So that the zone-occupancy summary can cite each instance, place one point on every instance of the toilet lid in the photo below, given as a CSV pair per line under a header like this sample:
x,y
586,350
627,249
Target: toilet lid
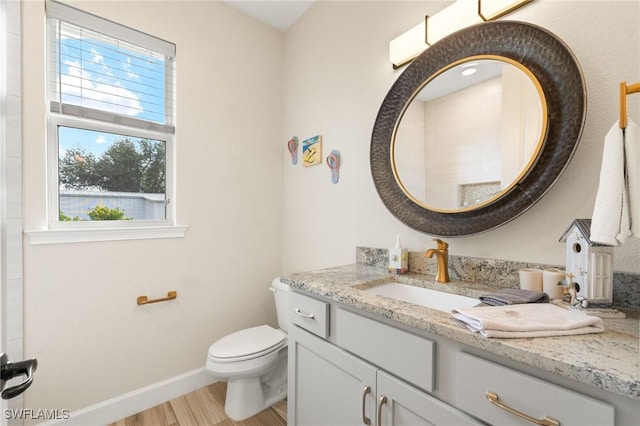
x,y
248,343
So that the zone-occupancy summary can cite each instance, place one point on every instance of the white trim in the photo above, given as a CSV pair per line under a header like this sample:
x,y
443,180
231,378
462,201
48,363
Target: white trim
x,y
55,120
116,120
81,18
61,236
11,211
104,126
92,120
125,405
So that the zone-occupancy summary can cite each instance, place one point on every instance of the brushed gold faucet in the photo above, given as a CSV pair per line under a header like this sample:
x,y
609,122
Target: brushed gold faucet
x,y
442,256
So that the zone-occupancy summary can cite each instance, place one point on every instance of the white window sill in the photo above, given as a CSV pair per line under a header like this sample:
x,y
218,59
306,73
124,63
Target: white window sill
x,y
62,236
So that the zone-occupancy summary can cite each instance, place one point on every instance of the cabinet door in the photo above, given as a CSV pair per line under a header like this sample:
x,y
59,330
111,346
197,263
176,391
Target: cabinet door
x,y
479,381
400,404
327,385
399,352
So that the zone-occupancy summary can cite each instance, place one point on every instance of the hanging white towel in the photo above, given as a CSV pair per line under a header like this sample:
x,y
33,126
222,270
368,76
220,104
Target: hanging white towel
x,y
632,160
617,206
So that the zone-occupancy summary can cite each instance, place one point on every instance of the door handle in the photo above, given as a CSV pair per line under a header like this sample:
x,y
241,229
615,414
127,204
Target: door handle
x,y
9,370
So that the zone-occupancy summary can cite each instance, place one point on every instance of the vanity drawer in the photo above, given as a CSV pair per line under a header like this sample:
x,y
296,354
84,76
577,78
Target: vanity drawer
x,y
406,355
309,313
528,395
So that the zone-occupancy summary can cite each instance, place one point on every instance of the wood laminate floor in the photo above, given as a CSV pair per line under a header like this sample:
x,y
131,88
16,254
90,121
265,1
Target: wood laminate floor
x,y
203,407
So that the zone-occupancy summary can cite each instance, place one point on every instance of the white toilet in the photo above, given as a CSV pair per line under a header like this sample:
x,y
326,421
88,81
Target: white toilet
x,y
253,362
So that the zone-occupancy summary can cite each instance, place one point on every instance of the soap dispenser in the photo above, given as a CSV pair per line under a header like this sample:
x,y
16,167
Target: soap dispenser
x,y
398,258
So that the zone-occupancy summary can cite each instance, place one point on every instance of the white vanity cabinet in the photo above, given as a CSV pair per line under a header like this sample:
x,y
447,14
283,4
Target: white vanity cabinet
x,y
326,385
348,369
329,386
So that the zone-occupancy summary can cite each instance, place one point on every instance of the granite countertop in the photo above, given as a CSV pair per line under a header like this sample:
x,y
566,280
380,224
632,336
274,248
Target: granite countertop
x,y
609,360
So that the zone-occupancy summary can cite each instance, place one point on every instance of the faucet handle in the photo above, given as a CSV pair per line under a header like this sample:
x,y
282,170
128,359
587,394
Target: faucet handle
x,y
441,244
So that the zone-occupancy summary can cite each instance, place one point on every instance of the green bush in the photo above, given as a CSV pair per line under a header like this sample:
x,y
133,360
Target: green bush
x,y
105,213
97,213
64,218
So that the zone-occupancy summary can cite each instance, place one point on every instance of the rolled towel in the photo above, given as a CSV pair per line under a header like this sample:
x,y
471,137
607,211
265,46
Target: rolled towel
x,y
527,320
514,296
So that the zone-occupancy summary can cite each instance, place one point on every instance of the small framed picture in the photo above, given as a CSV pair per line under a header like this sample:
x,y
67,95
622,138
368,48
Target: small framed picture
x,y
312,151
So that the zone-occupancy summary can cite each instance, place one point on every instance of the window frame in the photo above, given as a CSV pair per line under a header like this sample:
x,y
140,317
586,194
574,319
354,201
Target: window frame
x,y
56,120
74,231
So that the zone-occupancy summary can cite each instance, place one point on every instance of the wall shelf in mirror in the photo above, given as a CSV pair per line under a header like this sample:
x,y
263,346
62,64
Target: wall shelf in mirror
x,y
558,108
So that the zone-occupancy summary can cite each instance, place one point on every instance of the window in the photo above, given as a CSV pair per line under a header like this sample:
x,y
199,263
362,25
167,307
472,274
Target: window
x,y
110,123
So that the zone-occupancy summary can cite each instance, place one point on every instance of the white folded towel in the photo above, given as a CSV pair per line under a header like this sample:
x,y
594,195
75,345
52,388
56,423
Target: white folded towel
x,y
527,320
616,213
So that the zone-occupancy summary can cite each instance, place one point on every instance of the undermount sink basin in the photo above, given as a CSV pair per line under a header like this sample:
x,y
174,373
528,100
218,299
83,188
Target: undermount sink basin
x,y
433,299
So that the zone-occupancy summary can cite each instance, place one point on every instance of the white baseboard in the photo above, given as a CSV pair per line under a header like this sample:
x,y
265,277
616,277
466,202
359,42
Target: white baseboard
x,y
125,405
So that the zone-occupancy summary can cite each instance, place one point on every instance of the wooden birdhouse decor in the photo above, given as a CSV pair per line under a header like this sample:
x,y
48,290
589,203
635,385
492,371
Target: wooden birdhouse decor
x,y
591,264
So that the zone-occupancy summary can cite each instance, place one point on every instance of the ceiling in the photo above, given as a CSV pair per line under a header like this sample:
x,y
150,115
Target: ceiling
x,y
279,14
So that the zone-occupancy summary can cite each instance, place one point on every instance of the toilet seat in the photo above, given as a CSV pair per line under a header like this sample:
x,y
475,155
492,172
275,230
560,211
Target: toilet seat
x,y
247,344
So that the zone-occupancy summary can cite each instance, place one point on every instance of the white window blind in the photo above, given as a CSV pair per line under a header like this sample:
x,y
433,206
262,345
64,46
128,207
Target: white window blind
x,y
104,71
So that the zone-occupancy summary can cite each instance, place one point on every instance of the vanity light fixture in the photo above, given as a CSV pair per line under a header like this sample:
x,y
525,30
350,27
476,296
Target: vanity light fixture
x,y
462,13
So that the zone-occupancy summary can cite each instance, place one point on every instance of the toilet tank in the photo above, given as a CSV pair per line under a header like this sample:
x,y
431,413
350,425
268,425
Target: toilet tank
x,y
281,294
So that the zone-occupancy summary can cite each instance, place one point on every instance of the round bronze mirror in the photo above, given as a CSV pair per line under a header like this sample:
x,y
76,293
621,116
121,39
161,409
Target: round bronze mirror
x,y
451,158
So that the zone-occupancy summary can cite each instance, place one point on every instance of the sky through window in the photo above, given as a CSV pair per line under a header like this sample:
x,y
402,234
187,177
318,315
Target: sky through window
x,y
98,72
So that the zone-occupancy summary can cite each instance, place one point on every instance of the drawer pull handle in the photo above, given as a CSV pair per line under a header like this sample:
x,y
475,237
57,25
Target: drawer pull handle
x,y
303,315
547,421
383,400
367,390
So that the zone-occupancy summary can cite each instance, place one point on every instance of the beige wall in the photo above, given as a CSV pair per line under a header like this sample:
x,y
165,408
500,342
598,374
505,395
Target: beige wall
x,y
337,76
81,319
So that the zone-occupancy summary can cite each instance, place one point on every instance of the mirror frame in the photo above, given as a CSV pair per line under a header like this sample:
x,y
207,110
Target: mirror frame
x,y
559,74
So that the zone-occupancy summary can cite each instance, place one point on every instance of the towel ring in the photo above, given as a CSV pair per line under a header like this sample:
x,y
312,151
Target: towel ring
x,y
624,91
